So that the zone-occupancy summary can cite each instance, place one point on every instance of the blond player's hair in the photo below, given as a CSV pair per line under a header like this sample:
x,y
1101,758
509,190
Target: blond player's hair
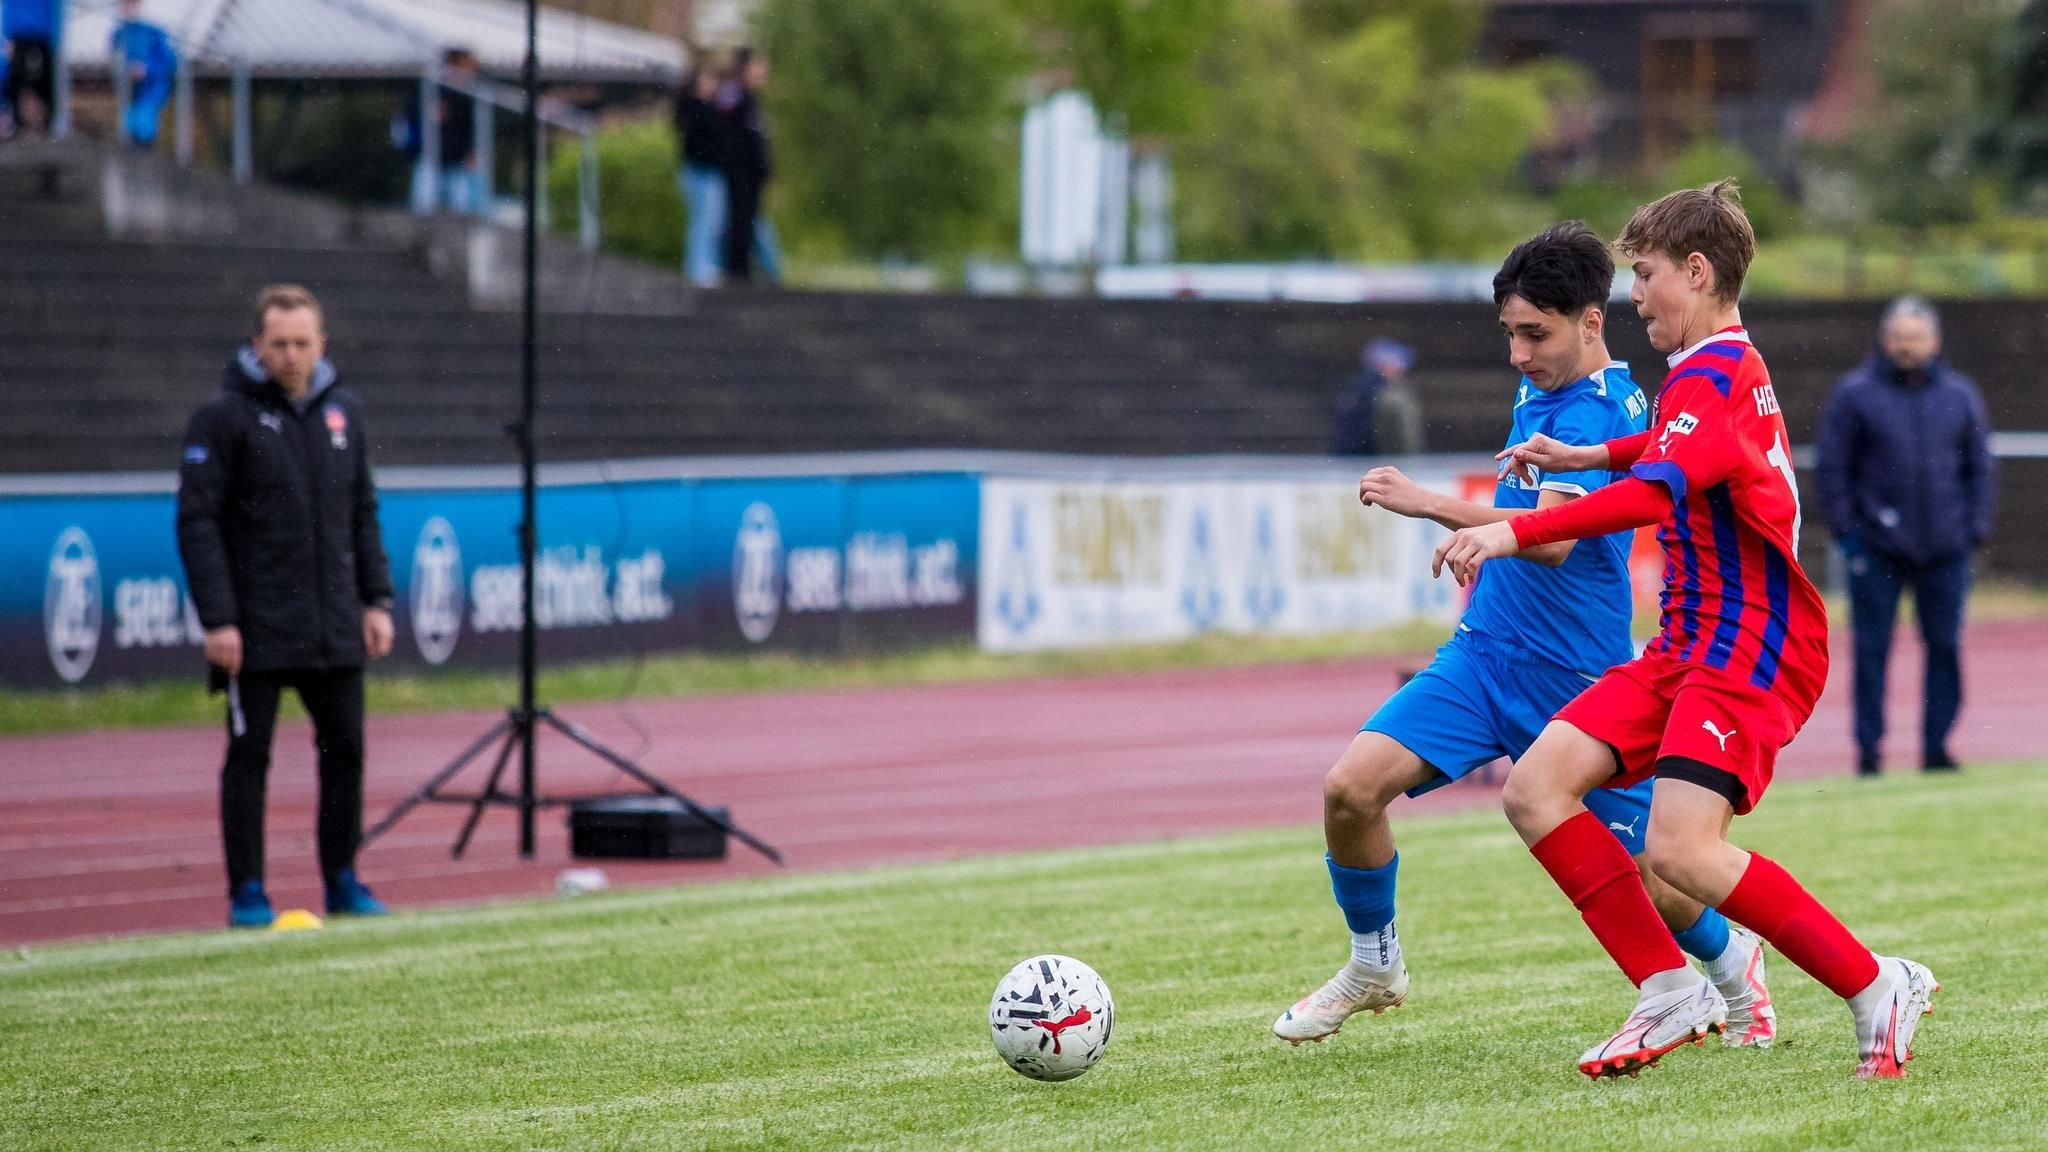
x,y
1709,221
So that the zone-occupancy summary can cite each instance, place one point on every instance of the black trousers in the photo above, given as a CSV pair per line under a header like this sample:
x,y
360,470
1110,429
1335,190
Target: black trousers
x,y
334,699
32,70
1876,582
742,209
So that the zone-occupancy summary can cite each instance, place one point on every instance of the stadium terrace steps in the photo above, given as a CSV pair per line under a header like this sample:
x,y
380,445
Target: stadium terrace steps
x,y
107,344
98,326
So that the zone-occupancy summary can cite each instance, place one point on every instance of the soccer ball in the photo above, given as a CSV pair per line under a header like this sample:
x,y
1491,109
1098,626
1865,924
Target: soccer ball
x,y
1051,1017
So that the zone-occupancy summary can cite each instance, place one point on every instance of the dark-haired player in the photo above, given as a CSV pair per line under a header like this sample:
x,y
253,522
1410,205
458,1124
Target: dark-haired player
x,y
1534,636
1741,660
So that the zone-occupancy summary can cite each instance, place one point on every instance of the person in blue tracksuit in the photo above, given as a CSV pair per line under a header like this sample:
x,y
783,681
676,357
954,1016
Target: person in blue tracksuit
x,y
152,64
1908,488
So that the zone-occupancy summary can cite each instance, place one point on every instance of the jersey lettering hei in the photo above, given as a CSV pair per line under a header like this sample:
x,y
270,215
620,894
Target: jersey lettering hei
x,y
1735,598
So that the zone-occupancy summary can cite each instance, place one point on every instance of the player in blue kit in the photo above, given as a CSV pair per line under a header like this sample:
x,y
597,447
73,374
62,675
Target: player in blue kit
x,y
1534,636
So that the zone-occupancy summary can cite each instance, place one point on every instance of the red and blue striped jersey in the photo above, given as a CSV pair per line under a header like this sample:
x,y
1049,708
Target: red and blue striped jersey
x,y
1735,598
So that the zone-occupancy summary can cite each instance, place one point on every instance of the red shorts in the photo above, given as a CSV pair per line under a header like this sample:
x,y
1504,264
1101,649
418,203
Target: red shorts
x,y
1698,723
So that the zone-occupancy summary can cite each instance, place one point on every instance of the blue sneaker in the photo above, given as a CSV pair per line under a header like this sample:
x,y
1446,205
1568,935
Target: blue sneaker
x,y
249,907
348,896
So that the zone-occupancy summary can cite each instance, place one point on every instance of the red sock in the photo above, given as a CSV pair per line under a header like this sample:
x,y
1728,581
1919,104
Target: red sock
x,y
1769,902
1596,873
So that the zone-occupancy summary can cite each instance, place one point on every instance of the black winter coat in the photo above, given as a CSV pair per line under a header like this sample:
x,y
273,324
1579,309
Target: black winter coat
x,y
1906,465
701,131
277,521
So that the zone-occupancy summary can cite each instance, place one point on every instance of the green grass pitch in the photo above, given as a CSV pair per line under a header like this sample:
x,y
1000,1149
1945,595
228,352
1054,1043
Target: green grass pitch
x,y
850,1010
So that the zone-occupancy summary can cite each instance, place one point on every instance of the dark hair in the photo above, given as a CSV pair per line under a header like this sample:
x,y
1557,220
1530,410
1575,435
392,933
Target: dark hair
x,y
1565,270
1708,220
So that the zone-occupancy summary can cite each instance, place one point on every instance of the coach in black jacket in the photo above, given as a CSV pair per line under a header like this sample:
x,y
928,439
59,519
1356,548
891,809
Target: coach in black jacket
x,y
277,527
1907,484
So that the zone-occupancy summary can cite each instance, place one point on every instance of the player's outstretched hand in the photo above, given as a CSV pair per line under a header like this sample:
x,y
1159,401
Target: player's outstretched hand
x,y
1390,489
1540,453
1468,548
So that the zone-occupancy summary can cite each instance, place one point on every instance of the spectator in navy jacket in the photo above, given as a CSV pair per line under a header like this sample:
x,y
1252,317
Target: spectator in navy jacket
x,y
1378,413
1906,485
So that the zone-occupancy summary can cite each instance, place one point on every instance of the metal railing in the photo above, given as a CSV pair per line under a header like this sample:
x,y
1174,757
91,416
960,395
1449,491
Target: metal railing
x,y
488,95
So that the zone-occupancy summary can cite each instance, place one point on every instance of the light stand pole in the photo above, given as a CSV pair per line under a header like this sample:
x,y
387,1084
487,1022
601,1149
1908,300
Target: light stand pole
x,y
529,451
521,725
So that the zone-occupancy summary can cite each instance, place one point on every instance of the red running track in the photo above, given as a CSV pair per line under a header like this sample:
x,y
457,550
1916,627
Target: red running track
x,y
116,832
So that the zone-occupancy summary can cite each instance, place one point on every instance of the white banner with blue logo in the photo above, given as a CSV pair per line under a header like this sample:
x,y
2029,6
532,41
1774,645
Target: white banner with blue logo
x,y
1112,560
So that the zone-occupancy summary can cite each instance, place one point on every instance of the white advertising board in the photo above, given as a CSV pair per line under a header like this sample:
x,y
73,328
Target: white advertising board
x,y
1074,563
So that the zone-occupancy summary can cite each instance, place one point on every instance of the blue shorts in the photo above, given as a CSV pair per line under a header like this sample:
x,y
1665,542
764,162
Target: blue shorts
x,y
1479,701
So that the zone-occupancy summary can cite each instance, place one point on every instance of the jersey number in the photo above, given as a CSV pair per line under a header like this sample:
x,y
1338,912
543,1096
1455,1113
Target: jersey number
x,y
1777,458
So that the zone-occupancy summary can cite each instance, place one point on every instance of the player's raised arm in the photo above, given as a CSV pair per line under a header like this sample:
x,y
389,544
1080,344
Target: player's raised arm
x,y
1620,507
1391,489
1540,453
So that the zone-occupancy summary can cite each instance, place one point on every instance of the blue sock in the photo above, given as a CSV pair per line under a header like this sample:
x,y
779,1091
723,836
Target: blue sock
x,y
1707,938
1366,895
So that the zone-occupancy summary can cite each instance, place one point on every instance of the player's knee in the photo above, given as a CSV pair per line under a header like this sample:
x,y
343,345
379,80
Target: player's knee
x,y
1677,909
1675,860
1526,802
1360,785
1348,791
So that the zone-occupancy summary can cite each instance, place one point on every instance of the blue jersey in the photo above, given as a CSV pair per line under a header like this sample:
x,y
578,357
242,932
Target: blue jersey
x,y
140,42
1577,614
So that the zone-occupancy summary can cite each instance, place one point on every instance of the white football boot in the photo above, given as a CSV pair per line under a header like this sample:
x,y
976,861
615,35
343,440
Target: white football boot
x,y
1352,990
1662,1021
1752,1022
1884,1034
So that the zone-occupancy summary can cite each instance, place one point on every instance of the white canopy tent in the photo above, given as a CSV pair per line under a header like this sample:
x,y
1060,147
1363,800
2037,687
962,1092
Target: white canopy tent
x,y
378,39
244,40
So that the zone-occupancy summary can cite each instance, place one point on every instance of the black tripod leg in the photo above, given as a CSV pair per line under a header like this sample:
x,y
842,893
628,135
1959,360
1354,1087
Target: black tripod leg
x,y
490,792
425,792
576,732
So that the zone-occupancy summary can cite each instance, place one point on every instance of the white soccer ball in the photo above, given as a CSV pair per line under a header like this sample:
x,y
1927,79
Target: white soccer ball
x,y
1051,1017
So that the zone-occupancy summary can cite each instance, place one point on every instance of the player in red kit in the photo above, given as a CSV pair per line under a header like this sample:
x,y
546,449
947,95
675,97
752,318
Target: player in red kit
x,y
1730,679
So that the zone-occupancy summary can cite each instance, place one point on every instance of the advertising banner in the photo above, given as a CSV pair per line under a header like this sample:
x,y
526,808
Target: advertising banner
x,y
1069,563
834,562
610,574
92,590
91,585
804,554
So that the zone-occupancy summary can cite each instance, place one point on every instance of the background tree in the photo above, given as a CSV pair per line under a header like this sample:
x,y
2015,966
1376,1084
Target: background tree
x,y
641,207
1353,131
895,124
1134,58
1924,151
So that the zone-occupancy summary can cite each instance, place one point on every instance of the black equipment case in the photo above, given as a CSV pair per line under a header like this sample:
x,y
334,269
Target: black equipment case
x,y
643,827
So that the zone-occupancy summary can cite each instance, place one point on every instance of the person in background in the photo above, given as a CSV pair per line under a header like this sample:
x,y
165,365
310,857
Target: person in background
x,y
278,533
1907,484
152,66
30,29
6,107
748,169
701,139
457,181
767,246
1379,413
